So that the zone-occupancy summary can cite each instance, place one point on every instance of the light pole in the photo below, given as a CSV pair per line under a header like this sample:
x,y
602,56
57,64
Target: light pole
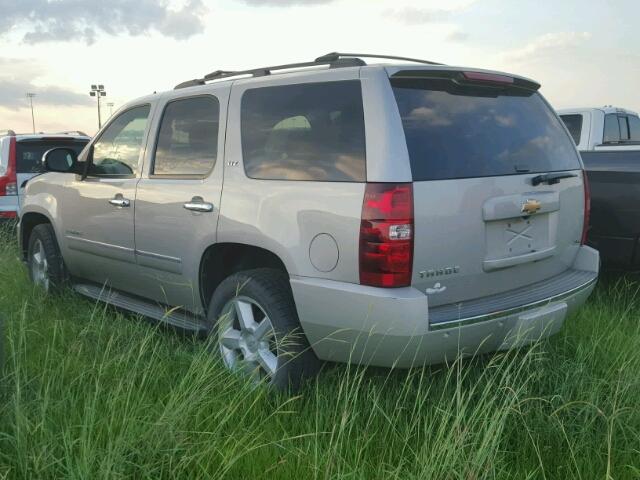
x,y
33,118
110,105
98,91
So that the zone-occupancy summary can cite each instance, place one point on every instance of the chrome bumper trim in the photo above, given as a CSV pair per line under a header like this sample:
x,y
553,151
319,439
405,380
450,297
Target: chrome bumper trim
x,y
510,311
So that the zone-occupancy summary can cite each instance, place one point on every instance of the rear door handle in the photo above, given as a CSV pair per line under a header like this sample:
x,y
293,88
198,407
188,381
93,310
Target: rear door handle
x,y
197,204
120,201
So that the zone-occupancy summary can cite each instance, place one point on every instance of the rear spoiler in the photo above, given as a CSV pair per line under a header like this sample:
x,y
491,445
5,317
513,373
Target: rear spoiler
x,y
53,138
469,78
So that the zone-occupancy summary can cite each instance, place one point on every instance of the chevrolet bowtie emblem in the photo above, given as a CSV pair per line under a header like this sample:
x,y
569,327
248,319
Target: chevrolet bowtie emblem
x,y
531,206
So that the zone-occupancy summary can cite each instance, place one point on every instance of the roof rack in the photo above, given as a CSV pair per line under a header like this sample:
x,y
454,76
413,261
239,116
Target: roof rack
x,y
72,132
333,56
333,60
5,133
263,71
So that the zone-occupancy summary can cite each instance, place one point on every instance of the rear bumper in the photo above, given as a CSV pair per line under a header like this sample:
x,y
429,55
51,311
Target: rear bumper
x,y
391,327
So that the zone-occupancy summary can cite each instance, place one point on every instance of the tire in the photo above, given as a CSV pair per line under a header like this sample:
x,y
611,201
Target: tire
x,y
46,266
278,354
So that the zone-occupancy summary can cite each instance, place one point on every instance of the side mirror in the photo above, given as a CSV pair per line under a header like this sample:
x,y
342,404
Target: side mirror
x,y
62,160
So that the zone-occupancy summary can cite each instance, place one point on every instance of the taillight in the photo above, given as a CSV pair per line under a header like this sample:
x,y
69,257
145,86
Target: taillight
x,y
386,235
8,214
587,207
9,181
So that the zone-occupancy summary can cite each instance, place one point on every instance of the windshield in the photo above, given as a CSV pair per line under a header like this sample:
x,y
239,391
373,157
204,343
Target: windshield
x,y
455,131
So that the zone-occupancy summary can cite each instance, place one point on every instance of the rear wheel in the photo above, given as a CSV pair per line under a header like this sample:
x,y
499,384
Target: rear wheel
x,y
257,329
46,267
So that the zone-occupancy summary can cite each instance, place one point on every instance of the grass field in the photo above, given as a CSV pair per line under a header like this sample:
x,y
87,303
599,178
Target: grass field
x,y
89,393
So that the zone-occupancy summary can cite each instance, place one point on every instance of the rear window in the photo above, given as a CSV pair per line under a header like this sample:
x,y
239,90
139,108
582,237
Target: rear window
x,y
574,125
29,152
634,128
311,131
611,129
463,132
624,128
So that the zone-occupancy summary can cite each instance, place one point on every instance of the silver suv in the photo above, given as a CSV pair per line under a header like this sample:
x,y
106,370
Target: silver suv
x,y
388,214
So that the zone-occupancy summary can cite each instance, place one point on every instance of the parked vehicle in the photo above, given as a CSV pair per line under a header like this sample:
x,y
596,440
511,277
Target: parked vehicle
x,y
20,159
390,215
609,141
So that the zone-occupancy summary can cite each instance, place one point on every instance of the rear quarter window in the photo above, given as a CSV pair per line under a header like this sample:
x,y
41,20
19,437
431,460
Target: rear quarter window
x,y
465,132
312,132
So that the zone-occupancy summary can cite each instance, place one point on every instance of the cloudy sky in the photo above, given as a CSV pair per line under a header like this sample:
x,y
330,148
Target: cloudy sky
x,y
585,53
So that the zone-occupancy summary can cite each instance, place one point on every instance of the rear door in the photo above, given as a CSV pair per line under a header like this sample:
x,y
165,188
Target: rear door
x,y
178,199
482,224
29,153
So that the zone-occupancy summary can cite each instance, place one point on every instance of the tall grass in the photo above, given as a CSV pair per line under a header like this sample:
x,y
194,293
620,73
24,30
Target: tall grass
x,y
90,393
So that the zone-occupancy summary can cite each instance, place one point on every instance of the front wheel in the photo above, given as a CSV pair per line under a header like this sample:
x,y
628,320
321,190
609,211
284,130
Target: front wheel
x,y
257,329
46,267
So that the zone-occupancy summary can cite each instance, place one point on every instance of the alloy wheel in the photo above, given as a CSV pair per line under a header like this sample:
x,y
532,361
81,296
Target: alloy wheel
x,y
246,339
39,265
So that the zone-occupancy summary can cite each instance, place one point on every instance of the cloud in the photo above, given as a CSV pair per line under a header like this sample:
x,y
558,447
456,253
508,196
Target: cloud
x,y
285,3
12,95
418,16
16,79
410,15
69,20
549,43
458,36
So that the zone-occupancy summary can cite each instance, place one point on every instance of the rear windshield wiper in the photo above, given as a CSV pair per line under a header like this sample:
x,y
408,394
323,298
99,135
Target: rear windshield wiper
x,y
551,178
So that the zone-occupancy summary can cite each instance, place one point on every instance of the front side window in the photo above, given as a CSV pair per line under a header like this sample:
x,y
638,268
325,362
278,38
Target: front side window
x,y
311,131
574,125
188,137
611,129
117,151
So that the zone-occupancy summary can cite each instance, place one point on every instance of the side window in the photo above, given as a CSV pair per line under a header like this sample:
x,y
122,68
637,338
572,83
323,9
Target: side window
x,y
574,125
611,129
117,151
188,138
311,131
634,128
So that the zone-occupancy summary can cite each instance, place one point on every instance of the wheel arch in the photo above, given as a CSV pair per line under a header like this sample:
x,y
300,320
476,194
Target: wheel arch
x,y
28,221
221,260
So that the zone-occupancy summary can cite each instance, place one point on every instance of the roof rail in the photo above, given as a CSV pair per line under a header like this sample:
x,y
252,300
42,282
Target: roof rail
x,y
10,133
334,56
263,71
333,59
